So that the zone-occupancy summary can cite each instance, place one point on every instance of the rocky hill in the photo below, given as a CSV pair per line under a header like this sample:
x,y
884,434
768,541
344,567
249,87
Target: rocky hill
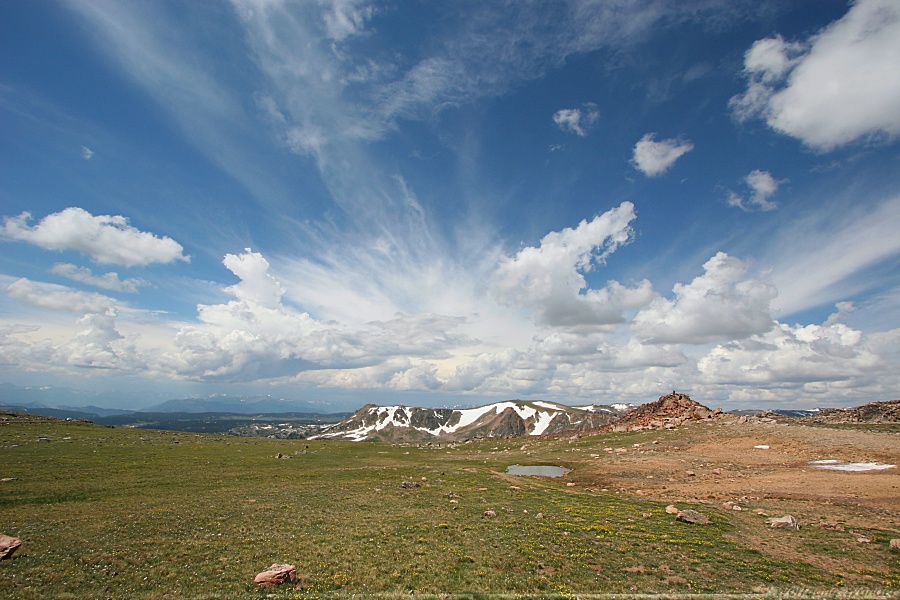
x,y
872,413
502,419
668,412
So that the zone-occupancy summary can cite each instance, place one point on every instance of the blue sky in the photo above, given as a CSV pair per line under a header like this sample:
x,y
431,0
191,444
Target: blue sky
x,y
453,203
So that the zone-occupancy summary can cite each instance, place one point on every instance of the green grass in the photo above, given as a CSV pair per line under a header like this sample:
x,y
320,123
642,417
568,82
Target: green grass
x,y
125,513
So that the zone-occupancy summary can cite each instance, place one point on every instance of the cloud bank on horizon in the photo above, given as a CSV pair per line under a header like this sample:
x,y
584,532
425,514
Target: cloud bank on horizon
x,y
447,203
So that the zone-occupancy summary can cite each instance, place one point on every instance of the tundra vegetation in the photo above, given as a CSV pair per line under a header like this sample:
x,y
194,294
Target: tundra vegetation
x,y
129,513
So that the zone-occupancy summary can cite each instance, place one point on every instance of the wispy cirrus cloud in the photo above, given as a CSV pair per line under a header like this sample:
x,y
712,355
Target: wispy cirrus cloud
x,y
107,281
576,120
816,259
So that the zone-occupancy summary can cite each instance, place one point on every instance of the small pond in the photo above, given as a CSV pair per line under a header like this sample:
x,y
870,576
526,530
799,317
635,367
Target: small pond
x,y
537,471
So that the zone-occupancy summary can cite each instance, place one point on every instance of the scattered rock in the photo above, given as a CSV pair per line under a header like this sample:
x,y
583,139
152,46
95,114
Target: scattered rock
x,y
637,569
831,526
761,447
785,522
9,479
490,513
672,509
862,538
276,575
690,474
8,545
692,516
895,545
407,485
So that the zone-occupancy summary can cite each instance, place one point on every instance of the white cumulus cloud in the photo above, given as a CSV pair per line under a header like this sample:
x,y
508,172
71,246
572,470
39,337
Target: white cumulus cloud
x,y
549,278
721,304
840,85
762,187
106,239
792,355
654,158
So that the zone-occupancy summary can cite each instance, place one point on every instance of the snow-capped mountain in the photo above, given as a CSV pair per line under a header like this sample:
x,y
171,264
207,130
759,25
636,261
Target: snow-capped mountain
x,y
502,419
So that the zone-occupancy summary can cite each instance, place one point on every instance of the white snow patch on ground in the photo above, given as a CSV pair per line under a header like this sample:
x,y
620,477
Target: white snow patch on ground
x,y
549,405
839,465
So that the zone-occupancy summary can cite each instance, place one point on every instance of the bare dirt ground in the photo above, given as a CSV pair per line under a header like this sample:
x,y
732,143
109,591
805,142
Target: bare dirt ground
x,y
719,462
847,518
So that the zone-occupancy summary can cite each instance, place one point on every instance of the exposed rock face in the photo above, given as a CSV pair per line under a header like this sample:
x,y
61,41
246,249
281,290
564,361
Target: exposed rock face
x,y
8,545
503,419
668,412
873,413
276,575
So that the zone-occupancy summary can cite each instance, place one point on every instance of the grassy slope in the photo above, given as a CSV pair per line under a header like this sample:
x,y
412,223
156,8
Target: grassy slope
x,y
131,513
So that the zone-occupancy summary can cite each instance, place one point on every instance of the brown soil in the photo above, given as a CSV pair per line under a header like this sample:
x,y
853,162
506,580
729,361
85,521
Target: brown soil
x,y
717,462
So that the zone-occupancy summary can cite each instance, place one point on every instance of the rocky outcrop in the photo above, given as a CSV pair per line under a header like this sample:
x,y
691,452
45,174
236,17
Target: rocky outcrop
x,y
668,412
872,413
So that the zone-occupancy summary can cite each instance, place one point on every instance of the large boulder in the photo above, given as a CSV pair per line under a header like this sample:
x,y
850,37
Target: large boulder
x,y
8,545
689,515
276,575
785,522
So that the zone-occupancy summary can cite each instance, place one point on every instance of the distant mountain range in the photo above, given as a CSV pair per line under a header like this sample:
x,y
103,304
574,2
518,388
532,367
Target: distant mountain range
x,y
244,405
61,402
501,419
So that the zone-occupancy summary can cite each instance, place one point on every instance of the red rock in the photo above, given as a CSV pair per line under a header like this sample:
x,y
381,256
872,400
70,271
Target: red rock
x,y
276,575
8,545
669,412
